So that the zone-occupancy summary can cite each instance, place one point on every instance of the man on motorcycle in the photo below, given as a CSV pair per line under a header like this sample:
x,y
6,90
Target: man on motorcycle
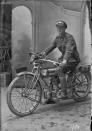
x,y
66,44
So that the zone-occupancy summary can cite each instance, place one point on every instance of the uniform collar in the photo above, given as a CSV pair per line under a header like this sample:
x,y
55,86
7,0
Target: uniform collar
x,y
63,36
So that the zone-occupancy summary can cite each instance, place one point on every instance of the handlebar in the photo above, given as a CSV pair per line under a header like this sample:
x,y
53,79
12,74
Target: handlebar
x,y
40,56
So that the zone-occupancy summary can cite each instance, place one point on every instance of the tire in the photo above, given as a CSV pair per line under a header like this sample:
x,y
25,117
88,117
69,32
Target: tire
x,y
76,85
27,94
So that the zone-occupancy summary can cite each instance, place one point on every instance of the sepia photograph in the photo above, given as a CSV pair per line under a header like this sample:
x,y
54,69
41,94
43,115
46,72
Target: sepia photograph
x,y
45,65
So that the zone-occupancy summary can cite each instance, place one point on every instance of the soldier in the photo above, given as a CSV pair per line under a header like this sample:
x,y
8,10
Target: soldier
x,y
67,46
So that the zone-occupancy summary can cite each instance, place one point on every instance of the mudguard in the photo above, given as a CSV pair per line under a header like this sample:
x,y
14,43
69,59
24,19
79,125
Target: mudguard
x,y
24,72
84,68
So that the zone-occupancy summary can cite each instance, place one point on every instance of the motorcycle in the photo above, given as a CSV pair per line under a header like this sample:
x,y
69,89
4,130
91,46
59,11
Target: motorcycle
x,y
27,89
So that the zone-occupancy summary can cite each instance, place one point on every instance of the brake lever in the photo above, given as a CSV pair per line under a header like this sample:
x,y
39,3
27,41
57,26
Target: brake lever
x,y
41,56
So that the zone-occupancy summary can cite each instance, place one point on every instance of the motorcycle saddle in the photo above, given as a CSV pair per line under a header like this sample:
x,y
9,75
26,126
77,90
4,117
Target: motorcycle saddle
x,y
83,68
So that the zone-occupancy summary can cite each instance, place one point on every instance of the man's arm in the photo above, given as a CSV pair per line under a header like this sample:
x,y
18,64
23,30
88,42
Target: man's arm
x,y
50,49
69,48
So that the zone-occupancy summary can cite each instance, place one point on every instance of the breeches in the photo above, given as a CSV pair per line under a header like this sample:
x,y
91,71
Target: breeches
x,y
70,66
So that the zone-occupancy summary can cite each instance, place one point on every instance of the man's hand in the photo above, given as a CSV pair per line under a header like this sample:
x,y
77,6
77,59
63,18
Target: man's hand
x,y
43,54
63,63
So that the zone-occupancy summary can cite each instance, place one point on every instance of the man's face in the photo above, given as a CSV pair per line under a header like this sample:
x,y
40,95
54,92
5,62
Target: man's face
x,y
61,30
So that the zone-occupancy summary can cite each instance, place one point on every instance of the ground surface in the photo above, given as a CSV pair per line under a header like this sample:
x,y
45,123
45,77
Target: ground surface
x,y
63,116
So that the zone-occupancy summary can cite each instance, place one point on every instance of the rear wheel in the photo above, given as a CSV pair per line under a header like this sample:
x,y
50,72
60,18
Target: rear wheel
x,y
24,94
81,86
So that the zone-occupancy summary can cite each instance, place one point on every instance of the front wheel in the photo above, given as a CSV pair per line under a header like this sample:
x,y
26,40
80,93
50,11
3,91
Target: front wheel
x,y
81,86
24,94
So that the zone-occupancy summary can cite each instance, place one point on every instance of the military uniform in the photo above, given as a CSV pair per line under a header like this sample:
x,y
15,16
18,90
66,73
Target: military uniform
x,y
67,46
70,56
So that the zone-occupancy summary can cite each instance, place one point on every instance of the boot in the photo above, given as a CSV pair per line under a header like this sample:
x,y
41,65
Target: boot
x,y
63,85
50,100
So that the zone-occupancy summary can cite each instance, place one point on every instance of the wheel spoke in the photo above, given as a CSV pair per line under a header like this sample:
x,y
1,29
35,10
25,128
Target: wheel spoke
x,y
80,85
18,91
32,99
25,95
